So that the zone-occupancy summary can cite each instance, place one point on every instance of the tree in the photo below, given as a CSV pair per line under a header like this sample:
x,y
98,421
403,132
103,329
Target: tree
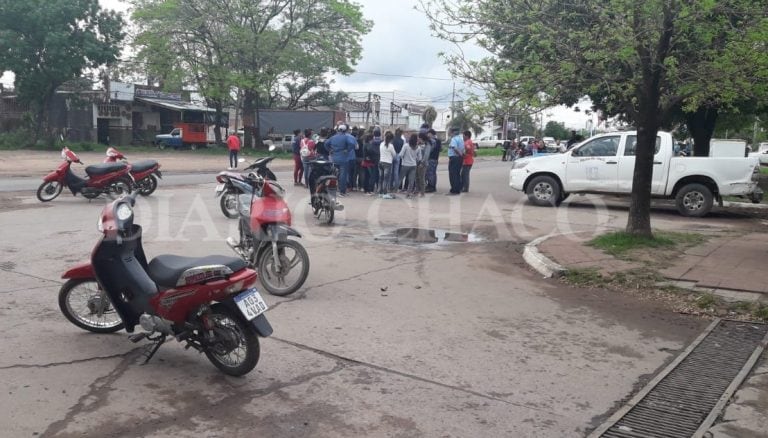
x,y
46,43
429,115
266,51
465,119
556,130
639,60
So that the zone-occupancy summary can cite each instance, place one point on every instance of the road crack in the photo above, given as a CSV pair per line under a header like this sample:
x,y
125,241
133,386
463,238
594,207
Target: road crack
x,y
71,362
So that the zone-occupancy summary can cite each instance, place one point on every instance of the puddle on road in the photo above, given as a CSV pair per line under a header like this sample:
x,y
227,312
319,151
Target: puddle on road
x,y
426,236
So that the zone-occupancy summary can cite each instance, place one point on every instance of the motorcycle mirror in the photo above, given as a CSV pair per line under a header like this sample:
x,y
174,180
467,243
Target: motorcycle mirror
x,y
272,147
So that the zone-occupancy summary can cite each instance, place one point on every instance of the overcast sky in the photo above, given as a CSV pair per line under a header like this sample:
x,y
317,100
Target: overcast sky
x,y
400,44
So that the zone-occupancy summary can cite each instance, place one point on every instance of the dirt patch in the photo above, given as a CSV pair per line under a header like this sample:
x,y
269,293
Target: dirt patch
x,y
11,201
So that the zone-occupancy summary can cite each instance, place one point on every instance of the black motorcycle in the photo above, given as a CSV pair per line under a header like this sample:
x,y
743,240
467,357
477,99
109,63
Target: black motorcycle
x,y
323,185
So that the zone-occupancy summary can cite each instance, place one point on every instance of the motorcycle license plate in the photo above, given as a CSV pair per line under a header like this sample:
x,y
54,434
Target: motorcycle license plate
x,y
219,189
250,303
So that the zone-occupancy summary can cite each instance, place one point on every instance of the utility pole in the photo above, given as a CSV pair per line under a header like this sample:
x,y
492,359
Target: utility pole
x,y
453,98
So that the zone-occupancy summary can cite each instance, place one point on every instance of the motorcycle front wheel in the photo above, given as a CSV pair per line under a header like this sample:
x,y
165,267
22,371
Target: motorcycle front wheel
x,y
48,191
228,204
84,304
235,346
293,271
147,186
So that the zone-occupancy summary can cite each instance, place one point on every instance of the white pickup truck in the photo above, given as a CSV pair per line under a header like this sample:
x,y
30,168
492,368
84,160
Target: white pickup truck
x,y
605,163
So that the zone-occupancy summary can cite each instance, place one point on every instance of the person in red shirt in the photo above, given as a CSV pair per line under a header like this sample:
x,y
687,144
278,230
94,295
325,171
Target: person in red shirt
x,y
233,144
469,160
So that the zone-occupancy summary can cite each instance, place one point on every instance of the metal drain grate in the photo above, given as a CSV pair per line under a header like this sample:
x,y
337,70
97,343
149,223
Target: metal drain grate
x,y
686,398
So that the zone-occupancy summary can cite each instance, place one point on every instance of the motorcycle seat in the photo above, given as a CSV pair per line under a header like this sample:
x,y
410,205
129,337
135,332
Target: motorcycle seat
x,y
104,168
166,270
325,178
141,166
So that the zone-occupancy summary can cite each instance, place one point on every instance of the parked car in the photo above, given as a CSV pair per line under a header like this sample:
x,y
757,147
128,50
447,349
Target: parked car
x,y
489,142
605,164
761,153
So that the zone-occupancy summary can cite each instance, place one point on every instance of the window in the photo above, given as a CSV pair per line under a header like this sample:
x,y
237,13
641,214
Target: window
x,y
629,149
599,147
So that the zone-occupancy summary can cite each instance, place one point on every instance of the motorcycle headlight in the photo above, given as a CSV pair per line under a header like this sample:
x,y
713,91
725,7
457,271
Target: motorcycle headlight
x,y
124,212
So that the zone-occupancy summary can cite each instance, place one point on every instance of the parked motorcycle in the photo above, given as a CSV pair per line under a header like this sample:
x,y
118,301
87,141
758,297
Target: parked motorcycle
x,y
232,184
206,302
323,183
112,179
265,227
145,172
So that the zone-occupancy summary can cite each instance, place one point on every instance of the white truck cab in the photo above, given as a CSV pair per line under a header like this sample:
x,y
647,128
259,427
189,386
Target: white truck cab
x,y
605,163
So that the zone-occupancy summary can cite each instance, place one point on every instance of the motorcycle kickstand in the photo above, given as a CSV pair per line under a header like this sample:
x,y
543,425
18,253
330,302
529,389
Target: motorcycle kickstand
x,y
158,341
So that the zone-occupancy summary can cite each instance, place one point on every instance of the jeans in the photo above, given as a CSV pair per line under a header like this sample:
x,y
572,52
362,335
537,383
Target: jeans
x,y
431,175
343,170
307,170
385,170
421,172
352,168
465,177
454,173
233,159
394,181
409,173
372,179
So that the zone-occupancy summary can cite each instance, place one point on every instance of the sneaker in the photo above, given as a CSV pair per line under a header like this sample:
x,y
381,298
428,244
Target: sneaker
x,y
342,195
387,196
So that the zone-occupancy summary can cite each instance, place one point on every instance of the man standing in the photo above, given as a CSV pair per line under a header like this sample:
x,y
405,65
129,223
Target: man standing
x,y
339,147
298,167
455,160
433,157
233,144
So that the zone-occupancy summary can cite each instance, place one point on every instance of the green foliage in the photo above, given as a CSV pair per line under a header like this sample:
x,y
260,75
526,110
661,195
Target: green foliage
x,y
430,114
46,43
706,300
465,119
20,139
620,243
556,130
642,61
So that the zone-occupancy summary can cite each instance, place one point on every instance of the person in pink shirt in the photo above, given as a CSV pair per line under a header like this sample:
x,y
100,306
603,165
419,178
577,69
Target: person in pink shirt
x,y
233,144
469,160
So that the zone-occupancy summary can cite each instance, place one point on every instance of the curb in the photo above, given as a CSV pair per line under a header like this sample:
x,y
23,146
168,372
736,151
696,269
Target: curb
x,y
541,263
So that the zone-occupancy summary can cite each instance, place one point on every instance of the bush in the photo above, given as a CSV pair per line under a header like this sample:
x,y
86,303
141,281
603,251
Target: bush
x,y
19,139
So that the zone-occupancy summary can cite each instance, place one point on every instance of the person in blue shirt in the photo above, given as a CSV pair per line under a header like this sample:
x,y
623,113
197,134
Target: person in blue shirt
x,y
455,160
339,147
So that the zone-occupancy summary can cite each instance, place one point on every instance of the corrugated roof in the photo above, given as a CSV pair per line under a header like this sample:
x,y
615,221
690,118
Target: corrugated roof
x,y
176,105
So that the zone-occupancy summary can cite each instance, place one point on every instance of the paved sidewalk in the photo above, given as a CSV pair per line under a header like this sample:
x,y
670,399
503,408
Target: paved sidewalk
x,y
732,265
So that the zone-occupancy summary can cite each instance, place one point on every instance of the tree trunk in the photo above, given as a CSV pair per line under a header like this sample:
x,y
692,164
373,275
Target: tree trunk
x,y
219,115
249,96
257,126
701,125
639,220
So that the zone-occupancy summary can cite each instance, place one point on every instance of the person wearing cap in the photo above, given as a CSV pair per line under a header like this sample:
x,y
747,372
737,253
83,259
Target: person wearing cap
x,y
339,146
455,161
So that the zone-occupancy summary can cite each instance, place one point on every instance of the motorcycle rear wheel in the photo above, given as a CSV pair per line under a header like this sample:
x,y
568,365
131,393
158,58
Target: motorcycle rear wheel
x,y
93,301
283,283
236,349
147,186
228,204
48,191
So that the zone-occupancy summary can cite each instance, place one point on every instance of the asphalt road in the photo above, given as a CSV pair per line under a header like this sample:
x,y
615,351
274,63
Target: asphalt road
x,y
384,340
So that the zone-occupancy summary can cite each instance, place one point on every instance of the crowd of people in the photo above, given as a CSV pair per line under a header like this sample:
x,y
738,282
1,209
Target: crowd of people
x,y
372,163
515,149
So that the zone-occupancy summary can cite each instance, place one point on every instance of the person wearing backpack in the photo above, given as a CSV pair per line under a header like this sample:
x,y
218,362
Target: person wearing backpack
x,y
307,152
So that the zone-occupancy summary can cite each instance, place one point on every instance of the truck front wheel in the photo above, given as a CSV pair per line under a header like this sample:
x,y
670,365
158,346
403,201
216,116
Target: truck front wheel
x,y
544,191
694,200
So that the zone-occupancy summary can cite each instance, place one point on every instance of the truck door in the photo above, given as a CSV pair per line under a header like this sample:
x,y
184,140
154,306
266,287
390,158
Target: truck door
x,y
593,165
627,167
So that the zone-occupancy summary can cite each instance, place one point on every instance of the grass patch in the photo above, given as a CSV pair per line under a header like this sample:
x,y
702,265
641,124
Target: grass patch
x,y
489,152
764,170
585,277
620,243
706,300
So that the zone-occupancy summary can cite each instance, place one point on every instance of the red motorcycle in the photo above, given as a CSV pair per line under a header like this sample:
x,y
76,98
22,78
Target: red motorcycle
x,y
264,227
206,302
113,179
145,172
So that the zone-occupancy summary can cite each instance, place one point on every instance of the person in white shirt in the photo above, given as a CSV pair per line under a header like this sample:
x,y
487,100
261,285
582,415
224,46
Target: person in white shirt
x,y
386,157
